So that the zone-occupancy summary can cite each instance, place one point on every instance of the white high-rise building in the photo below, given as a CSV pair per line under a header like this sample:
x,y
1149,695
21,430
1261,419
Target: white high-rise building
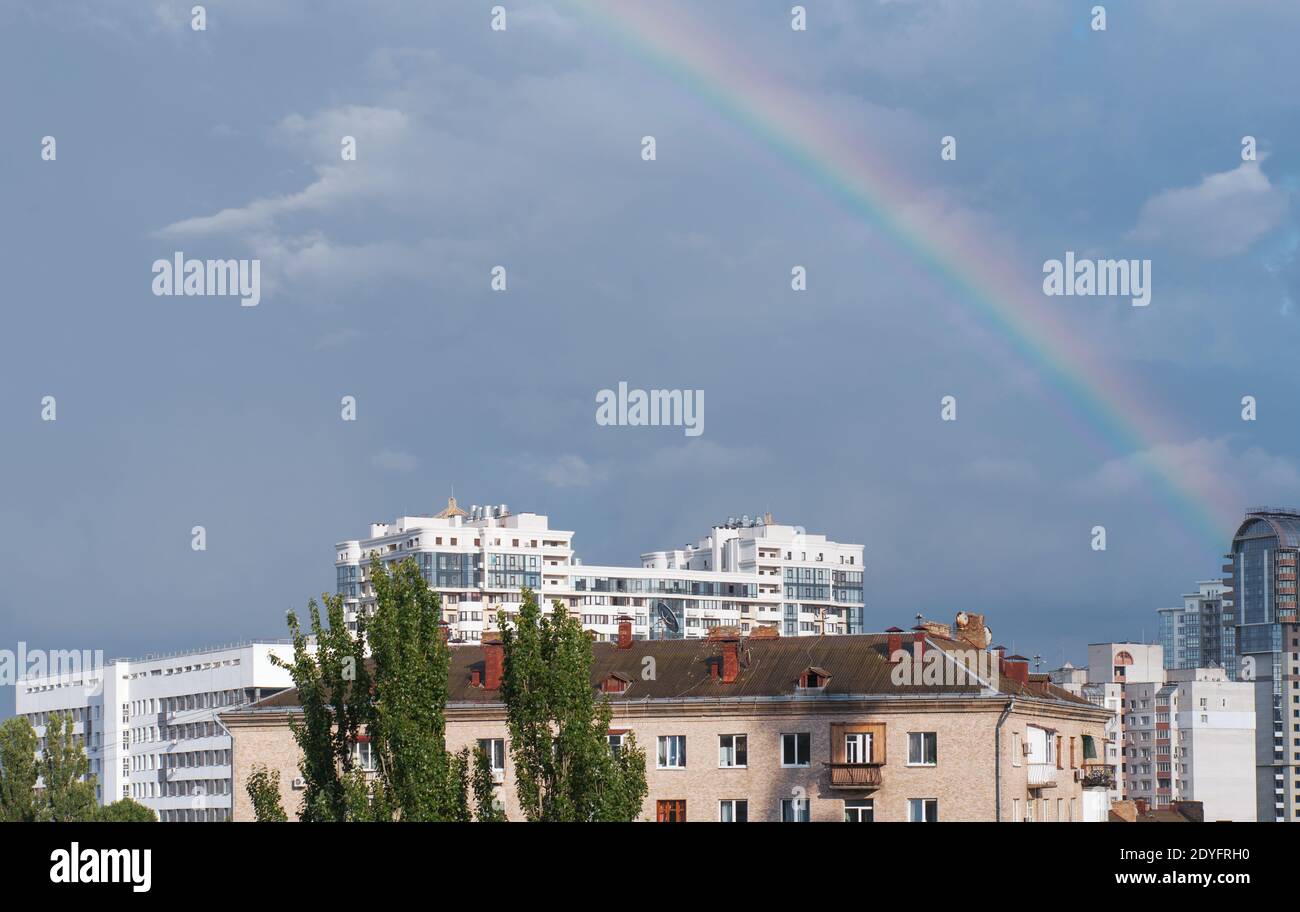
x,y
746,573
1192,737
1177,734
149,726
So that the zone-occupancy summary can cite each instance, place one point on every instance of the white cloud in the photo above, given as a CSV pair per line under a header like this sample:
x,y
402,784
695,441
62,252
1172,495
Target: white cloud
x,y
1222,215
1203,464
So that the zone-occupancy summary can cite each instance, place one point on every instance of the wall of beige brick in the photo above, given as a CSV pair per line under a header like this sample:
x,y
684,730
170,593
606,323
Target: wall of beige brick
x,y
270,743
962,780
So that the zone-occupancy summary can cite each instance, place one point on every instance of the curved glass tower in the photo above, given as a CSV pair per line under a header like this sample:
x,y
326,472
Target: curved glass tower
x,y
1263,590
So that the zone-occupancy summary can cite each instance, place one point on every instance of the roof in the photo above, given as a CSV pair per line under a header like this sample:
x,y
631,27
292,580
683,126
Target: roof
x,y
1282,524
855,665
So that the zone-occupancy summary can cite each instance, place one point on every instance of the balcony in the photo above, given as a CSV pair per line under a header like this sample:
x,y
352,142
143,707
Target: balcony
x,y
855,775
1042,775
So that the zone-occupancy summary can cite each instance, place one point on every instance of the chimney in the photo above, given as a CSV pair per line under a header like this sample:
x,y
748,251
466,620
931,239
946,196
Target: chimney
x,y
894,641
494,660
624,632
730,660
1016,668
918,638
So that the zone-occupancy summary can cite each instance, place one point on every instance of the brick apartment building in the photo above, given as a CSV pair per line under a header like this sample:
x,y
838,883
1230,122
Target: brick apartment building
x,y
766,728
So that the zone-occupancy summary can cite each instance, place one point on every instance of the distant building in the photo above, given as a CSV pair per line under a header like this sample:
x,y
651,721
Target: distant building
x,y
1177,735
1261,581
1202,633
747,573
1191,738
149,726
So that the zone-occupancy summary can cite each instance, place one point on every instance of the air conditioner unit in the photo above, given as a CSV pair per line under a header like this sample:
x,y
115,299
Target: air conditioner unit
x,y
1024,748
1078,775
300,783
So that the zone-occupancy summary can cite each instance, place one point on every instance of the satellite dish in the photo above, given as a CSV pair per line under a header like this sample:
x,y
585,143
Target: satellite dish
x,y
666,615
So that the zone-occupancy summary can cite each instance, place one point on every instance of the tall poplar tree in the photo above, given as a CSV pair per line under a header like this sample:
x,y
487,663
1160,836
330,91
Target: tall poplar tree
x,y
564,767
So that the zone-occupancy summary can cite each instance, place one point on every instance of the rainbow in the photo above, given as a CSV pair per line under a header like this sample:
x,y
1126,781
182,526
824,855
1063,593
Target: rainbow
x,y
1103,406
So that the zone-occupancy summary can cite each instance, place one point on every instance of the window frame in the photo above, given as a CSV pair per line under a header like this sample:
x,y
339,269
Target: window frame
x,y
662,754
933,738
807,736
737,753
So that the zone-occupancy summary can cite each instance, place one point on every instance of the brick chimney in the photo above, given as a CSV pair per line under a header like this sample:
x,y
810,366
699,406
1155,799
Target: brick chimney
x,y
725,667
893,641
918,638
624,632
1016,668
494,661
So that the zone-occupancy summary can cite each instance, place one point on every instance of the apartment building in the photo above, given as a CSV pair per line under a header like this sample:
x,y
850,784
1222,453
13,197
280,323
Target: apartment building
x,y
149,726
818,582
768,728
1191,737
746,573
1109,696
1202,632
1260,580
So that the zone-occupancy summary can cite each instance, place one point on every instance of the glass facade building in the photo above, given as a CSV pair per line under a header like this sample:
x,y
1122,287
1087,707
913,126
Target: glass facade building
x,y
1262,580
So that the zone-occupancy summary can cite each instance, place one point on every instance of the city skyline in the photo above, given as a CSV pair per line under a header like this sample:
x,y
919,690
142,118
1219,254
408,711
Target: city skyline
x,y
524,149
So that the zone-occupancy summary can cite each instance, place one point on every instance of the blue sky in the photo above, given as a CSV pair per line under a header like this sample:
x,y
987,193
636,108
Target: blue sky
x,y
521,148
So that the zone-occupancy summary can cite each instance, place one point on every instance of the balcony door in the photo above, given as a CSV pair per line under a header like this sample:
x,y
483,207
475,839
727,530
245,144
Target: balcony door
x,y
857,747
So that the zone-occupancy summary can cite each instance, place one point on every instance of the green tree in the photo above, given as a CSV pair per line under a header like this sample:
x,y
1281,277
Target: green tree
x,y
564,768
407,719
398,699
126,811
487,809
17,771
334,692
69,789
264,791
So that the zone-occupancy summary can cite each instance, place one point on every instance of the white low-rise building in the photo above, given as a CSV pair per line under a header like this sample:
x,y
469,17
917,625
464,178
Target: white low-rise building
x,y
149,726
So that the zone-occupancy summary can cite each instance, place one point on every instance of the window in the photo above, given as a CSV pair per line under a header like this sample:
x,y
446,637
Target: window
x,y
672,810
861,811
672,751
922,748
923,810
733,751
733,810
795,810
363,756
616,742
795,749
495,748
1016,750
857,747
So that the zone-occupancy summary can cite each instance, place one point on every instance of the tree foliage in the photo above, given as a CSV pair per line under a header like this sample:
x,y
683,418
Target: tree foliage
x,y
333,690
126,810
69,789
399,707
264,791
564,768
487,807
17,771
408,726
